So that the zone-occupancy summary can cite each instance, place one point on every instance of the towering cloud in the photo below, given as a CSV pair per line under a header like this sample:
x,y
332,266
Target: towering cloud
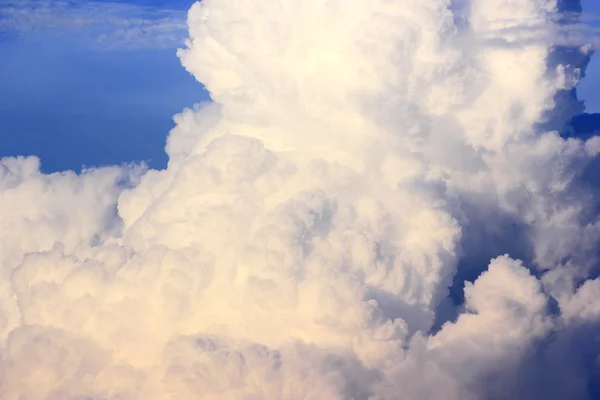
x,y
312,234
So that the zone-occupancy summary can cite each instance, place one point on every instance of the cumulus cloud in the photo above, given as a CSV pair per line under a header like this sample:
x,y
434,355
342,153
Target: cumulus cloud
x,y
313,232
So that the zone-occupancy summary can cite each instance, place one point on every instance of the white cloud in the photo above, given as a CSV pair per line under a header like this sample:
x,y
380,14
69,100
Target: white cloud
x,y
361,159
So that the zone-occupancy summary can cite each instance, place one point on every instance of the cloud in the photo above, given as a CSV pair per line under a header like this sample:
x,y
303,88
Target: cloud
x,y
313,232
108,25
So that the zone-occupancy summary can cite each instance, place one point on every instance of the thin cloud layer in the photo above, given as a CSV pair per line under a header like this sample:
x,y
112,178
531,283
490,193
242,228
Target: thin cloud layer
x,y
109,25
312,234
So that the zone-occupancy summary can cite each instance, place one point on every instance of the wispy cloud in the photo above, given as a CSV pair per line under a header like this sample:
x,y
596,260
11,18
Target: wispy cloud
x,y
577,34
569,30
109,25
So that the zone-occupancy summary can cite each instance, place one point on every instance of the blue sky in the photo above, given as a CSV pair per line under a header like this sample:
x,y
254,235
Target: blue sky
x,y
590,86
90,93
72,101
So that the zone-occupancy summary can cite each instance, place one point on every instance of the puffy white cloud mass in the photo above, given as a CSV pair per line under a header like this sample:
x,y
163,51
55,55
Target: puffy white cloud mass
x,y
313,232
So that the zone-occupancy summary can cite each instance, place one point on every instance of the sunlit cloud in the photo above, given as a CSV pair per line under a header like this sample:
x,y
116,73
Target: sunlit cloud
x,y
376,205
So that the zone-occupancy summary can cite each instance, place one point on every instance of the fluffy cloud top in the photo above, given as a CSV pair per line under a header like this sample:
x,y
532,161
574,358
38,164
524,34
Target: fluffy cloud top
x,y
312,233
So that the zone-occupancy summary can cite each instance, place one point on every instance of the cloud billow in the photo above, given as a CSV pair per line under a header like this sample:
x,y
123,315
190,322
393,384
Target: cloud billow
x,y
312,234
